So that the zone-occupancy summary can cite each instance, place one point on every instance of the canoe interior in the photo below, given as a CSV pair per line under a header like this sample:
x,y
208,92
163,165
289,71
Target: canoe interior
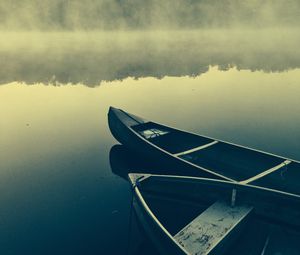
x,y
274,225
171,140
260,236
232,161
195,190
125,117
250,242
235,162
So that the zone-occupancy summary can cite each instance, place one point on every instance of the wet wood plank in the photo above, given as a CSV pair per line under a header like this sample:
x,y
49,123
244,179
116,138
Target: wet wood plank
x,y
208,230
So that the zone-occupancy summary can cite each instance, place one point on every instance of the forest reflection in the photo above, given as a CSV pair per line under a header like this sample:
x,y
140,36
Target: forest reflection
x,y
56,58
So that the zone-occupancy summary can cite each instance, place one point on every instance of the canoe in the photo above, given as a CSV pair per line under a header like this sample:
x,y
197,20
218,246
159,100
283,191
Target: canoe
x,y
193,215
188,154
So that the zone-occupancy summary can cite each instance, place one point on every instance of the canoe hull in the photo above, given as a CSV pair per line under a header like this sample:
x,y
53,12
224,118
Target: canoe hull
x,y
272,207
179,152
167,164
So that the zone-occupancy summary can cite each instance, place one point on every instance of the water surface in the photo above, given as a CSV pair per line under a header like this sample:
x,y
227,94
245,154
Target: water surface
x,y
58,193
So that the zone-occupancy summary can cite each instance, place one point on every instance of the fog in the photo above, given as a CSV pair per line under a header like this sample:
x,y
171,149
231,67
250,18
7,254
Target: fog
x,y
92,57
142,14
58,42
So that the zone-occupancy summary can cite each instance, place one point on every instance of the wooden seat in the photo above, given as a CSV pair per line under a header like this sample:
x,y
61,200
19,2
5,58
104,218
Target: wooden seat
x,y
213,228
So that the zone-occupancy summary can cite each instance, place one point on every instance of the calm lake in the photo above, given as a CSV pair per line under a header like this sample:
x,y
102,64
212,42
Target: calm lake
x,y
59,193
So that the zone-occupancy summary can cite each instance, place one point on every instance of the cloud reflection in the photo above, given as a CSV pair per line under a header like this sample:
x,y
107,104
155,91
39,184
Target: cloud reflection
x,y
89,58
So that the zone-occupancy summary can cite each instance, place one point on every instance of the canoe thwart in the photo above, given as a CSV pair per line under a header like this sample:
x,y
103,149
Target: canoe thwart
x,y
269,171
196,149
212,227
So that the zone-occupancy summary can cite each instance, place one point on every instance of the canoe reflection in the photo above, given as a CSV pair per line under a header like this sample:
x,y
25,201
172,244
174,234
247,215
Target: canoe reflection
x,y
123,161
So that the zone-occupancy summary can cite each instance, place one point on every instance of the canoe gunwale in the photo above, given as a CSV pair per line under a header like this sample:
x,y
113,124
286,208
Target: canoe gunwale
x,y
225,182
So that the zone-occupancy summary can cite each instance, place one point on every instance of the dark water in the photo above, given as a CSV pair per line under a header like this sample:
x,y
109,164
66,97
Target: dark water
x,y
58,193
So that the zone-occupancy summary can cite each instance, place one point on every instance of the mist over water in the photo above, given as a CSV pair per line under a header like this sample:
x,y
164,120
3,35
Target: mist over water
x,y
142,14
62,41
96,56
